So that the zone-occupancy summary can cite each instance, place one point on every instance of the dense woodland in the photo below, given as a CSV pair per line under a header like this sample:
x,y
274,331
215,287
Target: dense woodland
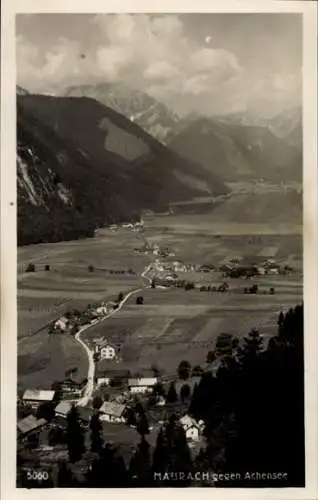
x,y
253,410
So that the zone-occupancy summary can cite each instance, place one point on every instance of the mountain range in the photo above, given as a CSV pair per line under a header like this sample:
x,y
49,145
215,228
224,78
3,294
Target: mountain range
x,y
239,152
81,165
151,115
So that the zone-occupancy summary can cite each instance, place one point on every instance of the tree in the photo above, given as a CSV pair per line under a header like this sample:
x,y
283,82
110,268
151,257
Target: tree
x,y
184,370
270,407
280,322
253,343
120,297
155,370
32,441
30,268
195,401
75,438
96,357
172,454
140,466
139,300
142,425
224,343
189,286
65,477
56,436
211,356
253,289
159,389
96,429
47,267
197,371
172,396
153,283
272,291
57,387
235,342
91,269
97,402
185,393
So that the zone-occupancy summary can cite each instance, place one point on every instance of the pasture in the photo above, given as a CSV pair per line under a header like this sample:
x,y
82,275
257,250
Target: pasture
x,y
200,243
175,324
46,295
44,359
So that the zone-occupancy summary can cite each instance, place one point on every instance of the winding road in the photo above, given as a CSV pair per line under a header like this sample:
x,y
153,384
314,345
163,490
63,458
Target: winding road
x,y
88,391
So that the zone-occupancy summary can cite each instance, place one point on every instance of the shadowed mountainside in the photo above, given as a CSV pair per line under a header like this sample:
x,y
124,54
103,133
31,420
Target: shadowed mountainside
x,y
238,152
81,165
151,115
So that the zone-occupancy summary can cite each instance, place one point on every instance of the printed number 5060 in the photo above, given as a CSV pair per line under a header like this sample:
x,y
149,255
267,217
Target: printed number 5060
x,y
37,475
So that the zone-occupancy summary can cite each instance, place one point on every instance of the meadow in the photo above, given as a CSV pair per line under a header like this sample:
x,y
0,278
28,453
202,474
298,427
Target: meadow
x,y
44,296
175,324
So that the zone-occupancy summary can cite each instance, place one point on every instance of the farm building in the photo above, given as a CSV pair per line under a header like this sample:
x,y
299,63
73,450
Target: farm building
x,y
61,324
70,388
108,369
191,428
35,397
103,381
142,385
102,310
113,412
261,270
63,409
30,425
179,267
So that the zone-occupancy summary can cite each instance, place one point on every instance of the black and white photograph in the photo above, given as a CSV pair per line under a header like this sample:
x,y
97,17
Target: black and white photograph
x,y
160,250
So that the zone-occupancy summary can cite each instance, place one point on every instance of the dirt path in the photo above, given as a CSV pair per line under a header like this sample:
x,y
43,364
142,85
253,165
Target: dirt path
x,y
91,364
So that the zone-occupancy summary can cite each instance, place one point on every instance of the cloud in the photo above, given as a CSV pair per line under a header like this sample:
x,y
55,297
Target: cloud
x,y
155,55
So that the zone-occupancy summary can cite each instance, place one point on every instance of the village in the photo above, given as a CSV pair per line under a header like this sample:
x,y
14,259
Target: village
x,y
116,395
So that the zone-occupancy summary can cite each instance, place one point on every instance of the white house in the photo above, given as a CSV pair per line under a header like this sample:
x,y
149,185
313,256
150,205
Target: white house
x,y
261,270
273,270
103,381
142,385
61,324
102,310
179,266
107,352
112,412
191,428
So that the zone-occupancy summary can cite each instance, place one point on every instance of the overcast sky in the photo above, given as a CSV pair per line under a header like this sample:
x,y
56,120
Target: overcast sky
x,y
206,63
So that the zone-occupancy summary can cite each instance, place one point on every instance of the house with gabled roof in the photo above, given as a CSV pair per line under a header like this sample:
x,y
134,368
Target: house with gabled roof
x,y
30,425
110,411
191,427
142,384
36,397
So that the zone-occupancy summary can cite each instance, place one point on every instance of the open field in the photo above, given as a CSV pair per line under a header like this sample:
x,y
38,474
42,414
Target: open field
x,y
273,205
45,296
175,324
44,359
